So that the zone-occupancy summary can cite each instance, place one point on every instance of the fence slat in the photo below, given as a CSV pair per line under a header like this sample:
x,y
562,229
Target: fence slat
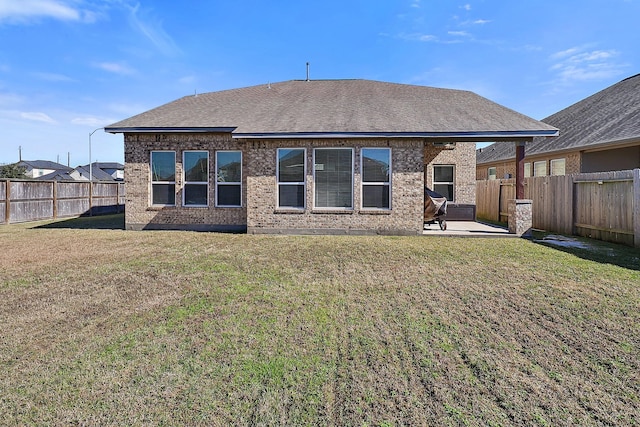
x,y
603,206
33,200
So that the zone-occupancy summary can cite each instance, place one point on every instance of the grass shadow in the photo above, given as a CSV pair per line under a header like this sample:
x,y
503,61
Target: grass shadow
x,y
101,222
592,250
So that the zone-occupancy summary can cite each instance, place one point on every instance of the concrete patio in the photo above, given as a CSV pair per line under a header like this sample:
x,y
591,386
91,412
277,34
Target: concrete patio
x,y
467,229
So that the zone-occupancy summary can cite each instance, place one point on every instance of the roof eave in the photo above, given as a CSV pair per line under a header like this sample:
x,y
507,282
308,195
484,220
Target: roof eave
x,y
140,129
445,136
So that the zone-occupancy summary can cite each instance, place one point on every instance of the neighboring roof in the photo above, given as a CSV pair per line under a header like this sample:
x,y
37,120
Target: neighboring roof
x,y
105,165
605,118
56,176
44,164
96,173
335,108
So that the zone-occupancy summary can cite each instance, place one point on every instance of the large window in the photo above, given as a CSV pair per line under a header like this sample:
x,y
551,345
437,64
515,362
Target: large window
x,y
163,178
291,174
443,181
228,178
333,177
376,178
196,178
557,166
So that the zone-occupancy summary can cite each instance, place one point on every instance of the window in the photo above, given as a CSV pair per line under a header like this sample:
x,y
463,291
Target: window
x,y
557,167
333,177
493,173
229,179
527,170
376,178
291,173
163,178
540,168
443,181
196,178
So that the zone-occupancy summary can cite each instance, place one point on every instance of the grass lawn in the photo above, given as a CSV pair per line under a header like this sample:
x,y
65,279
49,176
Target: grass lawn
x,y
101,326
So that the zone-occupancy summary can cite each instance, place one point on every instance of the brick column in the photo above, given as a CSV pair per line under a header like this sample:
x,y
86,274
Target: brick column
x,y
520,217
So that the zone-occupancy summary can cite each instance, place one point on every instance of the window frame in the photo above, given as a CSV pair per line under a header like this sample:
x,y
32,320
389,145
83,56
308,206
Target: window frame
x,y
538,163
218,182
315,183
452,183
494,175
302,183
527,170
198,183
364,183
564,166
152,182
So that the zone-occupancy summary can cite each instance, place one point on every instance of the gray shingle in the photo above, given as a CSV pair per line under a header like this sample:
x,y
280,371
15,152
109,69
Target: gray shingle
x,y
609,116
334,106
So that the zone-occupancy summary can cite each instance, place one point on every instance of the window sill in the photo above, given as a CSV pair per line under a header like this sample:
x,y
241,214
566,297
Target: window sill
x,y
333,211
289,211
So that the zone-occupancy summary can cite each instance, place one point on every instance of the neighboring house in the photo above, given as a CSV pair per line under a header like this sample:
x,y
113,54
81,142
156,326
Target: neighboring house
x,y
38,168
598,134
320,156
115,170
82,173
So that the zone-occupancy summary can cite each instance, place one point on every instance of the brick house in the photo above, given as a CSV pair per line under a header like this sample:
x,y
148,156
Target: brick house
x,y
319,156
601,133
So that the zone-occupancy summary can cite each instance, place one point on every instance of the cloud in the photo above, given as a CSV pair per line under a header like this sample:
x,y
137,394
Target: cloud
x,y
94,122
459,33
578,64
467,7
37,117
115,68
26,11
152,29
52,77
481,21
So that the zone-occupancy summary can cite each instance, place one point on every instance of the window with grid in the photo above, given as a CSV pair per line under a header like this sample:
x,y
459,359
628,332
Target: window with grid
x,y
540,168
229,179
493,173
557,166
444,181
291,173
196,178
376,178
163,178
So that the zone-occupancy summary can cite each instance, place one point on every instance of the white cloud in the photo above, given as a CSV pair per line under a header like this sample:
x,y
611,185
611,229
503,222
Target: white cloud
x,y
94,122
152,30
24,11
467,7
114,67
577,64
459,33
37,117
481,21
52,77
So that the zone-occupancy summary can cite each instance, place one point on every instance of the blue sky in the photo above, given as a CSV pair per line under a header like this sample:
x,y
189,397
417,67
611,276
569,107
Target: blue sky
x,y
68,67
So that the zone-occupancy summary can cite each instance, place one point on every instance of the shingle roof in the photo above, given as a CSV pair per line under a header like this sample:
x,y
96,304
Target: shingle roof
x,y
609,116
336,107
44,164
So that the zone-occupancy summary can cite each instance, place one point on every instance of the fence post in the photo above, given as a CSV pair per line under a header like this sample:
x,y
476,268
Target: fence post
x,y
636,208
7,202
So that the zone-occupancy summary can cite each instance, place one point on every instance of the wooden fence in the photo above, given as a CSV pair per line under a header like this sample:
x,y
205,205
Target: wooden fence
x,y
32,200
604,206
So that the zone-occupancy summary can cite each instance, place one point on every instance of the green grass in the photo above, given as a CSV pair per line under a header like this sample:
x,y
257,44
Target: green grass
x,y
109,327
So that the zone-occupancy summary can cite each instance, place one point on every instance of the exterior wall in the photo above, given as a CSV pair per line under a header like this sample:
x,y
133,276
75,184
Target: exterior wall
x,y
139,213
405,216
504,167
627,158
464,159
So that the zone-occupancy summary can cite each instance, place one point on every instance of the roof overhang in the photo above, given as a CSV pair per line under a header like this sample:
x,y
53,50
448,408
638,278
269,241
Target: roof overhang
x,y
476,136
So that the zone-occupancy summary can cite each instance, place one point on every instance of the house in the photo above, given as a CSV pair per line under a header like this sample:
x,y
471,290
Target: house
x,y
601,133
39,168
83,173
114,169
310,156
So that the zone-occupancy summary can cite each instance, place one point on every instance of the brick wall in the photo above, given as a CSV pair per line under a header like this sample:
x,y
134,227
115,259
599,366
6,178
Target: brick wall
x,y
259,214
139,213
463,157
406,214
572,165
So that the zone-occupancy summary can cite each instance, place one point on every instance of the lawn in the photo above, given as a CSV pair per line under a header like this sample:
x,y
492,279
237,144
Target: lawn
x,y
102,326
